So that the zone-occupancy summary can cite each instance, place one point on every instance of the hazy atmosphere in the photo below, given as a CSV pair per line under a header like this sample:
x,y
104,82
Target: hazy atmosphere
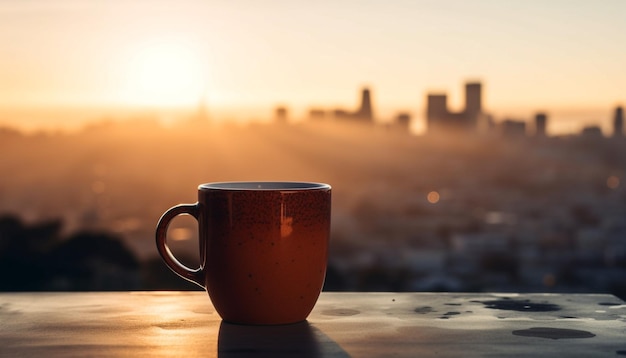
x,y
471,146
84,60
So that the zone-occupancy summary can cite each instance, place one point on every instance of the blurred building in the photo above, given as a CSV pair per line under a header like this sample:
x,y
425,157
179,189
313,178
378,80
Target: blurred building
x,y
473,103
365,110
618,122
280,114
592,132
541,122
511,128
403,120
341,113
364,114
316,113
440,119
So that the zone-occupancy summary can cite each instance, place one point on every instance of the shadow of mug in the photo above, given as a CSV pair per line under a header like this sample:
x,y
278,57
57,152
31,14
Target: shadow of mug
x,y
291,340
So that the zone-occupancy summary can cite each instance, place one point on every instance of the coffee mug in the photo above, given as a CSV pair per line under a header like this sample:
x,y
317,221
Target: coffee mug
x,y
263,248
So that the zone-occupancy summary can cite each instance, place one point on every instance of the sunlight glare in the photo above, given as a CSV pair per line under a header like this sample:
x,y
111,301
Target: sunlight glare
x,y
165,73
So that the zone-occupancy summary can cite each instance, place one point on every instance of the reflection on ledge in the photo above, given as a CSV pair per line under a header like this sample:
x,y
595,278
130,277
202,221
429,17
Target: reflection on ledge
x,y
292,340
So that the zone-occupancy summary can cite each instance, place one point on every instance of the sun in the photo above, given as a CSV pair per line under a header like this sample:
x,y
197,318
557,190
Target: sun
x,y
164,73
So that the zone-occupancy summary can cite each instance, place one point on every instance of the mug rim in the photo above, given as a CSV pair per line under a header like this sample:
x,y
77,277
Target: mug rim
x,y
264,186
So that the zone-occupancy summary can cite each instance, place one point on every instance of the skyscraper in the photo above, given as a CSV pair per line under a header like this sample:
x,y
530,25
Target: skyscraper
x,y
473,103
541,122
365,110
618,122
440,119
364,114
437,108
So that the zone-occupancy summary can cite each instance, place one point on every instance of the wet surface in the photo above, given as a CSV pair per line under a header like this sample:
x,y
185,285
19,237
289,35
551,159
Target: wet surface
x,y
507,304
448,315
424,310
609,303
553,333
156,324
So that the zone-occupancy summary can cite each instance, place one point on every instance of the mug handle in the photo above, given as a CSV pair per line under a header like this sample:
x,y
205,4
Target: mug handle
x,y
196,276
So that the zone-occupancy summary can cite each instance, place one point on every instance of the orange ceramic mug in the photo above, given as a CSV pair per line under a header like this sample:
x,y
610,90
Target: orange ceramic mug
x,y
263,248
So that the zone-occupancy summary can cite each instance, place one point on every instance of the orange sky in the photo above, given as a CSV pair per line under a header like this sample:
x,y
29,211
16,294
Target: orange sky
x,y
530,55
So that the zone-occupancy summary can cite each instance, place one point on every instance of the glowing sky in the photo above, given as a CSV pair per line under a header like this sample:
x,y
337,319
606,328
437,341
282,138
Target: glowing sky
x,y
529,54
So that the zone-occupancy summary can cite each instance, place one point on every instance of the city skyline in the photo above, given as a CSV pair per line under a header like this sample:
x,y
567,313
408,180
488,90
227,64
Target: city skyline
x,y
242,57
473,119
